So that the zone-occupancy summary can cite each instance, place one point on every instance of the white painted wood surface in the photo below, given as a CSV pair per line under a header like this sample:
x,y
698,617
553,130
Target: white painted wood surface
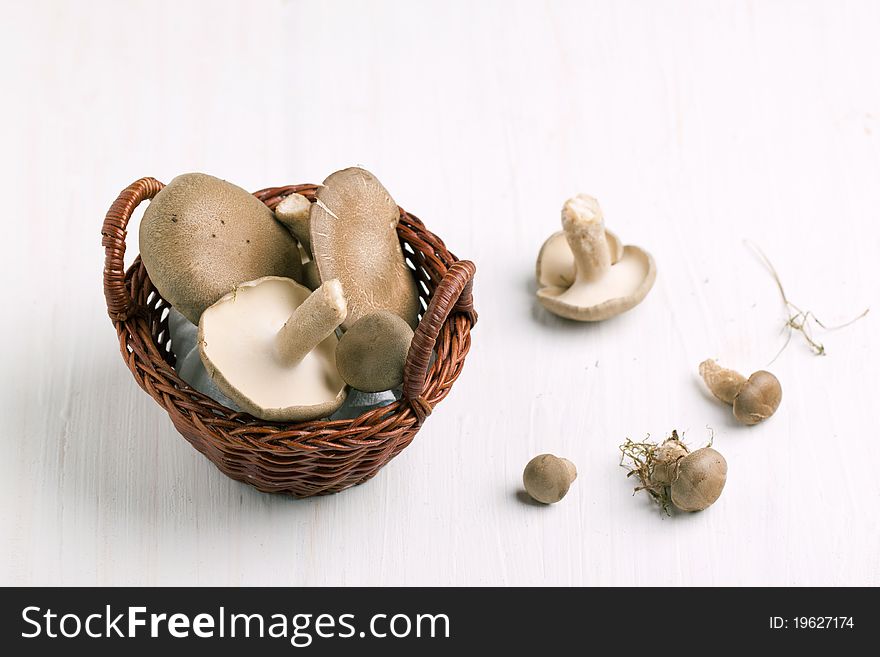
x,y
697,124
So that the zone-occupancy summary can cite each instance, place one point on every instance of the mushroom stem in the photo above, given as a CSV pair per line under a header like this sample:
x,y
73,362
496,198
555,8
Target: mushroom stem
x,y
311,323
584,228
725,384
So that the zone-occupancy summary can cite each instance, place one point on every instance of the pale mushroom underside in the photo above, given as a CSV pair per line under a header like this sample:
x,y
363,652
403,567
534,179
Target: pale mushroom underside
x,y
556,266
237,343
623,287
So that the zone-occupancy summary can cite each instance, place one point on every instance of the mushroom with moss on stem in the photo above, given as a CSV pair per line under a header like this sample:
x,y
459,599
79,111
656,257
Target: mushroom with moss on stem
x,y
606,281
753,399
354,238
547,478
270,344
672,474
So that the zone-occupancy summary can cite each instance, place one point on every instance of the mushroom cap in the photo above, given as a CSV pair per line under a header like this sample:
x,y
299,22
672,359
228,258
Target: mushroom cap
x,y
237,344
201,236
555,265
758,398
354,239
547,478
701,478
293,211
372,353
622,288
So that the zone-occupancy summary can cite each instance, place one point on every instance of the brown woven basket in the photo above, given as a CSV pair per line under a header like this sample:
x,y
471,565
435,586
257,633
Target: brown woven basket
x,y
307,458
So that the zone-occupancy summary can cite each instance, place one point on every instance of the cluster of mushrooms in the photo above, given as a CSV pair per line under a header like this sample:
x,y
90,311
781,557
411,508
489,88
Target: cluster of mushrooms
x,y
586,274
294,308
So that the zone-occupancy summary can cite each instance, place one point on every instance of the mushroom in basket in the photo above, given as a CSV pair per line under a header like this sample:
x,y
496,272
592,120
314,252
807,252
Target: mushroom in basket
x,y
353,235
201,236
270,346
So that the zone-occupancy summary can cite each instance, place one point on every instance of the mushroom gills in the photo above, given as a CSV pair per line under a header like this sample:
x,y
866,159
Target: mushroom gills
x,y
620,280
251,349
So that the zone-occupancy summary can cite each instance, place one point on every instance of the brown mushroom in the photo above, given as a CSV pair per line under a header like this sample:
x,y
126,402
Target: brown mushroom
x,y
672,474
753,399
547,478
354,239
700,478
201,236
372,353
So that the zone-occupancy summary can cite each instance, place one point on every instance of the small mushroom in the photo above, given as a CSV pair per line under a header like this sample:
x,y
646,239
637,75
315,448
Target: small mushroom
x,y
201,236
270,344
699,480
293,212
753,399
354,238
547,478
371,354
672,474
601,287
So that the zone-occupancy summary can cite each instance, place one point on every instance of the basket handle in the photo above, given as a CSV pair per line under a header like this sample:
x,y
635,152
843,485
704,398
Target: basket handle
x,y
119,302
453,294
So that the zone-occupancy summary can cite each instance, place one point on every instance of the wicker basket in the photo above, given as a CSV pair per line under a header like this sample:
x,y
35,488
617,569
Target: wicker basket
x,y
307,458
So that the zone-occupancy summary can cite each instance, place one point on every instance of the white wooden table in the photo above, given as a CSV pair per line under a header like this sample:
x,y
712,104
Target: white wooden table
x,y
696,124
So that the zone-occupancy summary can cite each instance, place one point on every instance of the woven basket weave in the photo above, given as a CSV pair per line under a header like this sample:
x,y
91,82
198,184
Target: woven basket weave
x,y
306,458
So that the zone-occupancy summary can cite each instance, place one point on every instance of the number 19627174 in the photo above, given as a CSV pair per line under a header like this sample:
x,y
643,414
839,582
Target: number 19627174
x,y
812,623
